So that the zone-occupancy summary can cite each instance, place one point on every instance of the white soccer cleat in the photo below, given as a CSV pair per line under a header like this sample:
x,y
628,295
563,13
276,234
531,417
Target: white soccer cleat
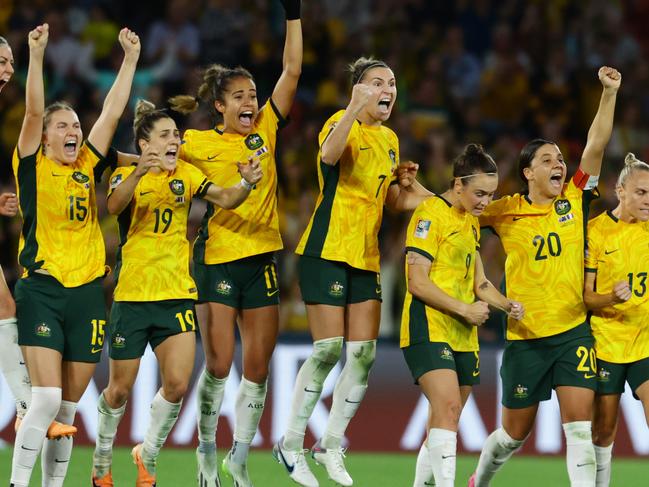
x,y
236,471
208,470
295,463
332,460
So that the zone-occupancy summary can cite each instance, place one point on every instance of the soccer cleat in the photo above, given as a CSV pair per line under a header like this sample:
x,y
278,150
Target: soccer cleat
x,y
332,460
295,463
236,471
208,471
471,480
56,429
144,478
105,481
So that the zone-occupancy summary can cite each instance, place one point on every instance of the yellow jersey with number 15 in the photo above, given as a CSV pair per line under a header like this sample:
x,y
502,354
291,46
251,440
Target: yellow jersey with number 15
x,y
544,247
450,240
253,227
153,255
345,224
619,251
58,205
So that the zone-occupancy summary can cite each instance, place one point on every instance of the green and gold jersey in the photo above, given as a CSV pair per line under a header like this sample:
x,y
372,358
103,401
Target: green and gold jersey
x,y
619,251
345,224
544,246
253,227
450,239
58,205
153,255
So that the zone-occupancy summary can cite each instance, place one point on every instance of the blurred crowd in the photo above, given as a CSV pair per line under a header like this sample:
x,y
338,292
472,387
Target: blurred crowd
x,y
497,72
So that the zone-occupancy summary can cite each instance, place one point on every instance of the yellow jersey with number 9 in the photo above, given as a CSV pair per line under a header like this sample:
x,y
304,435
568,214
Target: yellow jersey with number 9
x,y
153,255
253,227
544,247
58,205
345,224
619,251
450,240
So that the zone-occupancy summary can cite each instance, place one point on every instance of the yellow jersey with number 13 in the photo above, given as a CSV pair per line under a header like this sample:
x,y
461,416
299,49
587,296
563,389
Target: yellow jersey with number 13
x,y
345,224
253,227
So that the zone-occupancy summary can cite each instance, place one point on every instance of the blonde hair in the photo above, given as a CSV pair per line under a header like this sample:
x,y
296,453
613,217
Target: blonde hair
x,y
631,164
53,108
3,41
146,115
216,79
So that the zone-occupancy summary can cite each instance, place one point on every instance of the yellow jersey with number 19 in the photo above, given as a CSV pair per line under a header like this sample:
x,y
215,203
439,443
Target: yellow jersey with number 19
x,y
619,251
450,240
58,205
345,224
544,247
153,255
253,227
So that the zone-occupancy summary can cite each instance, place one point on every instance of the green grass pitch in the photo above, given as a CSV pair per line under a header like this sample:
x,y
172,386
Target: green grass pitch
x,y
176,468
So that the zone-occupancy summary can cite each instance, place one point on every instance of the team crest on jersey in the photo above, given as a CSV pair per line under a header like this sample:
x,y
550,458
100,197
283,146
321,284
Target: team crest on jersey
x,y
446,354
224,288
422,228
80,177
603,375
520,392
336,289
177,186
562,207
119,341
115,181
254,141
393,158
43,330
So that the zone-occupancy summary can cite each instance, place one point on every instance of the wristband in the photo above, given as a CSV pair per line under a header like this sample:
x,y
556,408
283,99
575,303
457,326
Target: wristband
x,y
292,8
246,184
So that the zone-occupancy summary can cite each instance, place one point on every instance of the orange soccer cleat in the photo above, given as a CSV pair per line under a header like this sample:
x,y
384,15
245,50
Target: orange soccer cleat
x,y
105,481
56,429
144,478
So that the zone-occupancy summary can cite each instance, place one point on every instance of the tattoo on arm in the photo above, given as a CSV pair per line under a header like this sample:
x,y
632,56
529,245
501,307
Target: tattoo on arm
x,y
484,285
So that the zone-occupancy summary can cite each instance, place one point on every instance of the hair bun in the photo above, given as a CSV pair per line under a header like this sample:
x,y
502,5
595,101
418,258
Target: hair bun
x,y
473,149
142,108
630,159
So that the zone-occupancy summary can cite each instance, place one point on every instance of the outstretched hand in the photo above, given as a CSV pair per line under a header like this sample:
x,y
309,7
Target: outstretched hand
x,y
251,171
406,173
38,37
610,78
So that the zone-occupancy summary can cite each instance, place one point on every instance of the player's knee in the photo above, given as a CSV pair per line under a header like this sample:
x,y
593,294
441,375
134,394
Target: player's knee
x,y
218,368
326,353
603,434
174,389
361,356
7,306
451,410
116,394
256,371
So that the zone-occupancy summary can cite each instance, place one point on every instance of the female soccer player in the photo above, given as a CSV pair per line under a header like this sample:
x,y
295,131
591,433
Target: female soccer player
x,y
234,263
339,263
154,297
542,232
59,300
439,336
616,292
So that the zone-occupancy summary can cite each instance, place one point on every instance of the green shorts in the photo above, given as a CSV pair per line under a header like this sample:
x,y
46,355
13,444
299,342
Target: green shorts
x,y
241,284
532,368
423,357
135,324
611,376
70,320
336,283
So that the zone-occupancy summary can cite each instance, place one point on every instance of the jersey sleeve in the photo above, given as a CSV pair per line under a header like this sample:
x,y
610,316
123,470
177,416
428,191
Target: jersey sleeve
x,y
186,152
118,176
90,155
593,248
395,162
351,146
271,118
198,182
423,233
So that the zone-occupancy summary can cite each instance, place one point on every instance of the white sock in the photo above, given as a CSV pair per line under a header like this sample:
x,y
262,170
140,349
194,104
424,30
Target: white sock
x,y
249,408
580,454
442,451
603,454
497,449
423,469
210,396
349,391
56,454
13,366
45,405
308,387
108,421
163,416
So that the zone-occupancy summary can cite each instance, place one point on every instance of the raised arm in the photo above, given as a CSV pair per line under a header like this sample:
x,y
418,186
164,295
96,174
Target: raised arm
x,y
102,132
602,126
406,195
31,132
121,196
486,291
230,198
593,300
286,86
421,287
